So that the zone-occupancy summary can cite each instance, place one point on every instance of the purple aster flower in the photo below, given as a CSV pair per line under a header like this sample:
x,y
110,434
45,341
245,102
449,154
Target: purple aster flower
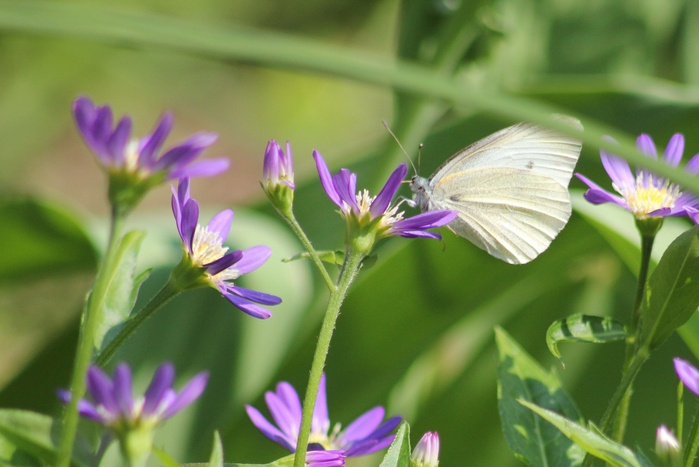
x,y
342,190
278,177
203,246
688,374
114,404
116,152
426,453
367,434
645,194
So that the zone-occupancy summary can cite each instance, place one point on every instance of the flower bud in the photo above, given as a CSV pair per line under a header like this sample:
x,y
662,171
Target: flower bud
x,y
426,453
278,177
667,448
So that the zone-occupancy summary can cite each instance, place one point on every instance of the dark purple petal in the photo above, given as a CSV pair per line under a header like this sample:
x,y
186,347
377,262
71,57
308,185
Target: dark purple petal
x,y
325,459
426,220
693,165
386,427
321,421
250,308
363,426
207,168
270,430
255,296
326,179
688,374
221,224
645,144
673,151
253,258
345,185
272,160
224,262
187,395
85,409
185,152
151,145
417,234
162,381
597,195
383,199
100,387
116,145
618,170
367,447
123,389
190,217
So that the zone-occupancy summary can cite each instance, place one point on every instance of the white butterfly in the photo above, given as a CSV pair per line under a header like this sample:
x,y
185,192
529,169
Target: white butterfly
x,y
510,189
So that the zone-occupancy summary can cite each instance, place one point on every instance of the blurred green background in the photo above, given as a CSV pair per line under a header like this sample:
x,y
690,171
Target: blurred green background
x,y
415,334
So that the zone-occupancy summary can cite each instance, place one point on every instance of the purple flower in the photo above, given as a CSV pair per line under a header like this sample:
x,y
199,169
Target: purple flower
x,y
377,211
278,168
688,374
116,407
317,459
365,435
645,194
204,247
426,453
116,152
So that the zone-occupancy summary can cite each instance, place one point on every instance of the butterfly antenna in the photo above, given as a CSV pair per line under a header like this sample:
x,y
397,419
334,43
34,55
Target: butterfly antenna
x,y
419,157
400,145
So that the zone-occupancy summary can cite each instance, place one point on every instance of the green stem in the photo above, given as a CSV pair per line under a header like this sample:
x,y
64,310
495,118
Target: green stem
x,y
89,322
353,261
165,294
293,223
691,453
680,411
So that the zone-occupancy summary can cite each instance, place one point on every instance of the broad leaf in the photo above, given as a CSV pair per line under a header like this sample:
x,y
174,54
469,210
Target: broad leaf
x,y
583,328
398,454
591,439
672,292
522,378
123,287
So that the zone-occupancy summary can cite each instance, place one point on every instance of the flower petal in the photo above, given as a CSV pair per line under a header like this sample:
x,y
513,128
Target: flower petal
x,y
224,262
221,224
116,145
162,381
287,394
673,151
187,395
253,258
364,425
693,214
320,422
207,168
100,387
693,165
255,296
598,195
645,144
151,145
688,374
185,152
270,430
190,217
244,305
285,417
618,170
326,179
345,183
383,199
123,390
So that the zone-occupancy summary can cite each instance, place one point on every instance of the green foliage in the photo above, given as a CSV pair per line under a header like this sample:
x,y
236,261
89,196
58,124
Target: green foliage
x,y
216,459
520,378
672,293
591,439
583,328
398,454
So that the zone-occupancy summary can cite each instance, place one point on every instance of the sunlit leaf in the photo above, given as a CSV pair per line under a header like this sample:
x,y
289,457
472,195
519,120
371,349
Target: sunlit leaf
x,y
398,455
583,328
216,459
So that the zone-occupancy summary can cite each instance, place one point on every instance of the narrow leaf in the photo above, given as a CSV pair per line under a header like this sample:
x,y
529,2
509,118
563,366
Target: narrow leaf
x,y
398,454
336,257
583,328
590,439
123,286
165,458
216,459
672,292
522,378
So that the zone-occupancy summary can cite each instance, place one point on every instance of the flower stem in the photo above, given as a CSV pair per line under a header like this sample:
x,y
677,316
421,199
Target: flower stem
x,y
693,438
165,294
353,261
296,227
91,317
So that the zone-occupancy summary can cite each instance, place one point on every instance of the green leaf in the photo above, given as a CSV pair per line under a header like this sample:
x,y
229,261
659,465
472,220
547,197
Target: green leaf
x,y
165,458
522,378
123,287
216,459
583,328
336,257
590,439
398,454
32,433
672,292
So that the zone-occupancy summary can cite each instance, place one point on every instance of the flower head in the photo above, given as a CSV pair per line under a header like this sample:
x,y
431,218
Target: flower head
x,y
645,194
363,211
135,166
278,176
688,374
426,453
211,263
365,435
667,448
133,419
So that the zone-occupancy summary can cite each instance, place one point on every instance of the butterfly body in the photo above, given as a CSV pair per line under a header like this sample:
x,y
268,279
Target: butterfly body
x,y
510,190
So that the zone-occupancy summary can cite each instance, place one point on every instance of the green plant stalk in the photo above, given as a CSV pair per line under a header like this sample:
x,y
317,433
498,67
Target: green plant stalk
x,y
353,261
89,322
167,293
680,411
691,453
293,223
621,416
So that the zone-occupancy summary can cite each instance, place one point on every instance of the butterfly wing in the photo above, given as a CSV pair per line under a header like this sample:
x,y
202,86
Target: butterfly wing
x,y
513,214
523,146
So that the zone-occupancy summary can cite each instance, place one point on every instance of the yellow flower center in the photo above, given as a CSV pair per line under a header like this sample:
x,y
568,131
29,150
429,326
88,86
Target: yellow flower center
x,y
207,247
328,442
649,194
